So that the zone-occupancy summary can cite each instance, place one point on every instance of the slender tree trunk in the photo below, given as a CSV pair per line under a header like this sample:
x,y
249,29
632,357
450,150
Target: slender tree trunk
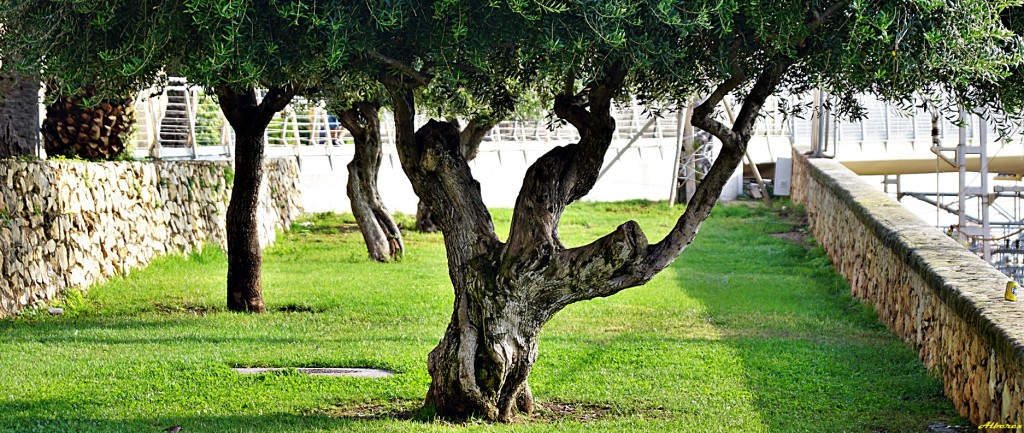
x,y
245,257
249,119
19,115
381,234
506,292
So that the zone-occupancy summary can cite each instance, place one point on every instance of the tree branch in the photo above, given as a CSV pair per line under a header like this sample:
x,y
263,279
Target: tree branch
x,y
754,102
350,119
355,119
584,272
242,111
570,109
598,95
276,99
623,258
420,78
238,106
610,86
564,174
474,133
819,19
442,179
403,104
704,113
665,252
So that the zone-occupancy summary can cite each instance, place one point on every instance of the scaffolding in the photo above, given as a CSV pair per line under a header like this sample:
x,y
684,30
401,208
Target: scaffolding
x,y
987,198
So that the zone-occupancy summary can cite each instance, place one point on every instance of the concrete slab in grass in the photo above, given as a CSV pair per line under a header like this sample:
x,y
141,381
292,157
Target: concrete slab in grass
x,y
372,373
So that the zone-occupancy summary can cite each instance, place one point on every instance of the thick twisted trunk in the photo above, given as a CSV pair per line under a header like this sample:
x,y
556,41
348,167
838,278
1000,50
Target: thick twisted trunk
x,y
470,138
482,364
249,119
380,233
506,292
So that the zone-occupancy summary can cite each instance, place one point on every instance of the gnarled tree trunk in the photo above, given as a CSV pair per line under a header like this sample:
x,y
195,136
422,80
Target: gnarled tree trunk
x,y
470,138
505,292
381,234
19,115
424,219
249,119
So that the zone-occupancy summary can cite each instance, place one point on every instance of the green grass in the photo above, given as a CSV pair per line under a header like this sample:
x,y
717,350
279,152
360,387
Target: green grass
x,y
745,332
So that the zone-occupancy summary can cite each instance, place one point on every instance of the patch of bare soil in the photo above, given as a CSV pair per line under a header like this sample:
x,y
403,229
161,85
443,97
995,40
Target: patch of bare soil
x,y
798,238
194,309
395,409
324,228
584,412
544,412
800,227
793,216
297,308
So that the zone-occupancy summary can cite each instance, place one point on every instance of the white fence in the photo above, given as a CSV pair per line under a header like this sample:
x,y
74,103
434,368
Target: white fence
x,y
638,164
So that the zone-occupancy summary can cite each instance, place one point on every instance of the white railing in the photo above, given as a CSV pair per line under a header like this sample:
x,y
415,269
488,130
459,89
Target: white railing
x,y
202,132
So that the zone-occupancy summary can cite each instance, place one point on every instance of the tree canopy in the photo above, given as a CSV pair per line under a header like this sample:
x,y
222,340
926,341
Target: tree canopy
x,y
125,45
577,56
672,49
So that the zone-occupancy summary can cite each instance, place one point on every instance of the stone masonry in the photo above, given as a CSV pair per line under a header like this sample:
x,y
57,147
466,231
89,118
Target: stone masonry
x,y
944,301
70,224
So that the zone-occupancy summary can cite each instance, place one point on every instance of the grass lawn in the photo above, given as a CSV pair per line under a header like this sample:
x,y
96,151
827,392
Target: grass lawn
x,y
745,332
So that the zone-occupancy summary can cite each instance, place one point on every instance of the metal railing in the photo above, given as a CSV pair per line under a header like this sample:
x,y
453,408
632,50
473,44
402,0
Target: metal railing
x,y
201,131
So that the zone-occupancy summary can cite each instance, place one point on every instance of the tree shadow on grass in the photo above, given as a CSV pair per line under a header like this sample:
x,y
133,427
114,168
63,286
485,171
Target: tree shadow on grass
x,y
355,417
118,331
152,330
825,364
15,417
547,411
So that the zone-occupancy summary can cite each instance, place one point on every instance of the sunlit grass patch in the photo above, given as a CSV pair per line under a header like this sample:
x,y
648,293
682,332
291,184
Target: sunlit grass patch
x,y
744,332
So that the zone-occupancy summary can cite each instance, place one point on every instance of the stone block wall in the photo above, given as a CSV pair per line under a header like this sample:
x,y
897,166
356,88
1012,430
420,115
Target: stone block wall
x,y
67,224
940,298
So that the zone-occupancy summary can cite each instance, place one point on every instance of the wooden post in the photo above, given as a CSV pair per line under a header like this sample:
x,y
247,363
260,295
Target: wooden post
x,y
816,124
191,112
684,151
674,183
690,150
750,161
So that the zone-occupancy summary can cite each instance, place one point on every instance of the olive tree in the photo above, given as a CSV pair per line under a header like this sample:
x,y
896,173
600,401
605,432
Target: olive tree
x,y
583,56
381,234
589,54
356,101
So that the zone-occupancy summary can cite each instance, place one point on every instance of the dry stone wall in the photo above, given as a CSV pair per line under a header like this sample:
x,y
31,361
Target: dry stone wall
x,y
939,297
67,224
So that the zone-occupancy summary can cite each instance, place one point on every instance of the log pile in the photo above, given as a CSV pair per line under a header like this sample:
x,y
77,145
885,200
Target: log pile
x,y
940,298
71,224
